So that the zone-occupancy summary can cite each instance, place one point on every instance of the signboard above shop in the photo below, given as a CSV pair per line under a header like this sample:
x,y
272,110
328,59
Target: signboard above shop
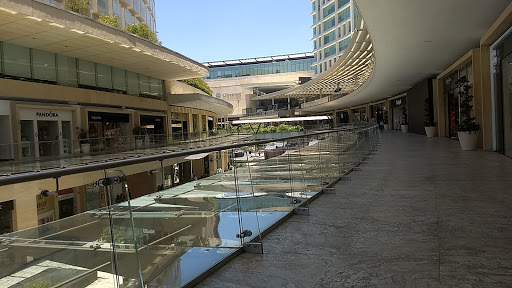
x,y
94,116
400,102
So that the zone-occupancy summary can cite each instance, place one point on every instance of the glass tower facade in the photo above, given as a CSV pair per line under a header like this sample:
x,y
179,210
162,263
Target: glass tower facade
x,y
333,24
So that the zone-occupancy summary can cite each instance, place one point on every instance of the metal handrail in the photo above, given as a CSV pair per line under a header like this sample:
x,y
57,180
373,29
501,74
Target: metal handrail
x,y
66,171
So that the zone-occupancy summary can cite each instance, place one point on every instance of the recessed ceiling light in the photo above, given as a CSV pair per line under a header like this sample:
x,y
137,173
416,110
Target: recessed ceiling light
x,y
8,11
57,25
428,41
34,18
77,31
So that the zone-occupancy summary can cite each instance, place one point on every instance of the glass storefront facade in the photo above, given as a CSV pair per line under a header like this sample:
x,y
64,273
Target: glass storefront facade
x,y
22,63
503,95
276,67
452,98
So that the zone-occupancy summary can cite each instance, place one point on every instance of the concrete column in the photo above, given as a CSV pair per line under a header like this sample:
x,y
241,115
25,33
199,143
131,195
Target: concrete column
x,y
477,92
485,67
387,106
190,123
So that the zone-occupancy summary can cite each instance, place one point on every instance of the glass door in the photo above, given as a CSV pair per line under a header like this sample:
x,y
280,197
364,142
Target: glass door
x,y
48,137
27,138
506,66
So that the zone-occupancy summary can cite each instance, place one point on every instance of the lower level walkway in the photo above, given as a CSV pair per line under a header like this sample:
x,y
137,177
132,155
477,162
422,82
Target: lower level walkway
x,y
421,213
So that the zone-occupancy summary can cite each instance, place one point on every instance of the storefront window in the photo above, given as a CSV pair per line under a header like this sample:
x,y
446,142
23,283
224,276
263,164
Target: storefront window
x,y
132,83
119,77
144,85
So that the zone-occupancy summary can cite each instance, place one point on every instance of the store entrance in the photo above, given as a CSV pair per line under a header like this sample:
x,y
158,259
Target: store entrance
x,y
506,67
453,114
6,223
48,138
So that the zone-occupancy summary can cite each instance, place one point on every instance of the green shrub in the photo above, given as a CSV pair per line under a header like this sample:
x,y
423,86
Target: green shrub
x,y
143,31
112,20
77,6
38,284
199,84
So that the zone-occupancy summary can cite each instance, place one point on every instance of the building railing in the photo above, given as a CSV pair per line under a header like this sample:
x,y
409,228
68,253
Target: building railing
x,y
31,150
172,236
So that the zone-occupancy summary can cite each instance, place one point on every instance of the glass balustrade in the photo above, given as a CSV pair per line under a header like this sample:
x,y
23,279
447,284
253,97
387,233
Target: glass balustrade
x,y
164,222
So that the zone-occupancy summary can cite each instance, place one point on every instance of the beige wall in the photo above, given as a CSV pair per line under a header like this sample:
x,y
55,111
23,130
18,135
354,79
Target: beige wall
x,y
239,90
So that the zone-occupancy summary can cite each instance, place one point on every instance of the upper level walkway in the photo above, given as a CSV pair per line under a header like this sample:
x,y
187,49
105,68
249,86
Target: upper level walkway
x,y
421,213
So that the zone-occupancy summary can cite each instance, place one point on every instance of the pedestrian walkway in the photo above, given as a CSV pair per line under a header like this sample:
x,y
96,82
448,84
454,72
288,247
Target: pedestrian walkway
x,y
421,213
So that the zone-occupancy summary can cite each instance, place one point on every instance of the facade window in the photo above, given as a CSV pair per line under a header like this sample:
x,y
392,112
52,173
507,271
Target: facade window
x,y
127,17
342,3
329,10
118,10
136,5
16,60
344,44
86,73
66,71
314,19
329,51
43,65
344,15
23,62
104,76
329,23
313,6
330,37
103,7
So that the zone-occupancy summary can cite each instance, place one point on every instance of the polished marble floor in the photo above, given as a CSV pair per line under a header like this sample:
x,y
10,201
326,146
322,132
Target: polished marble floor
x,y
421,213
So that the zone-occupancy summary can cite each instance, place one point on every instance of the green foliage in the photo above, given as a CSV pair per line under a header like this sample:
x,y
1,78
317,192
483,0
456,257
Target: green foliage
x,y
143,31
385,117
77,6
38,284
112,20
83,135
429,112
199,84
467,123
404,116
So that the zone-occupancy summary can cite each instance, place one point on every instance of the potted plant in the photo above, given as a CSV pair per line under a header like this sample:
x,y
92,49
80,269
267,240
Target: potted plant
x,y
430,124
83,139
139,133
405,125
467,129
385,120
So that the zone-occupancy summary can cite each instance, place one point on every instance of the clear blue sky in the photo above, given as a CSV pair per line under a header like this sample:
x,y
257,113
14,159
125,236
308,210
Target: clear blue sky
x,y
210,30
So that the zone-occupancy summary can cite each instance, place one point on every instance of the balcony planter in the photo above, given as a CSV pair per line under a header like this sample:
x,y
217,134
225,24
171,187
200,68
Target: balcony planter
x,y
467,129
386,126
139,133
404,127
83,139
431,131
138,142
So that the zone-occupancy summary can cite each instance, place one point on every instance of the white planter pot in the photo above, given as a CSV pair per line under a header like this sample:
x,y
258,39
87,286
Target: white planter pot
x,y
86,148
431,131
405,128
386,126
138,143
468,141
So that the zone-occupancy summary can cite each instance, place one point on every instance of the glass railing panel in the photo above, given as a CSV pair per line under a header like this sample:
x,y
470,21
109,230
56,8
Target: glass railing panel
x,y
61,250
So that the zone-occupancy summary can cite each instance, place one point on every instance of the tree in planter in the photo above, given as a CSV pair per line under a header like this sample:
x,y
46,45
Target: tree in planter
x,y
467,123
430,124
83,135
139,133
404,116
112,20
77,6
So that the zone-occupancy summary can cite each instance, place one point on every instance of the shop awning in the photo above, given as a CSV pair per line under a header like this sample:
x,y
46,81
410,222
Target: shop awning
x,y
197,156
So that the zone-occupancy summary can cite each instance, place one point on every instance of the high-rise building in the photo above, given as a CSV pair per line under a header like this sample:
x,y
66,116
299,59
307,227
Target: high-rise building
x,y
333,25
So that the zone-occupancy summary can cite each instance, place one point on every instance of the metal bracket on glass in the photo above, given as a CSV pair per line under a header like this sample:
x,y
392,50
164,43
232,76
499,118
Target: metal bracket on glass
x,y
364,162
253,247
295,201
346,177
330,190
301,211
245,233
108,181
357,168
